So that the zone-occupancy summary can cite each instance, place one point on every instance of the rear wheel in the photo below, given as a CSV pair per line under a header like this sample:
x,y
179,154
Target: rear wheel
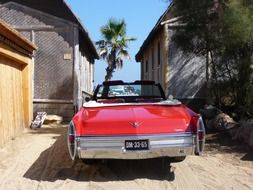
x,y
71,139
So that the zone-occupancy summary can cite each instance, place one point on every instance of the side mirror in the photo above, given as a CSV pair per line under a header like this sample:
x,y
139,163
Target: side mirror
x,y
87,99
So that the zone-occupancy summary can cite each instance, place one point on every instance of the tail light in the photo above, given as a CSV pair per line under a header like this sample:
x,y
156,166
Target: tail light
x,y
198,128
194,122
201,135
71,138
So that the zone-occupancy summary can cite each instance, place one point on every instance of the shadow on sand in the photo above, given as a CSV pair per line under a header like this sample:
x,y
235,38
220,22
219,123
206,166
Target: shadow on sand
x,y
54,164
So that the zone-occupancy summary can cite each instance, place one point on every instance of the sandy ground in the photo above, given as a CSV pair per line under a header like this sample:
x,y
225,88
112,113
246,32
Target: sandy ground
x,y
39,160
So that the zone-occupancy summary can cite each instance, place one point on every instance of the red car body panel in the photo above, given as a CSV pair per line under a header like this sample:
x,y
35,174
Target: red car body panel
x,y
119,120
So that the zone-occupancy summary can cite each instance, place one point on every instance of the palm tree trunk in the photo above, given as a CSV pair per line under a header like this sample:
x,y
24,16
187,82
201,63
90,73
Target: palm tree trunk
x,y
111,67
109,71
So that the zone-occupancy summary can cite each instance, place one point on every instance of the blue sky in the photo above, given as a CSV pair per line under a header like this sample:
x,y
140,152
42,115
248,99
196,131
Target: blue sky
x,y
140,16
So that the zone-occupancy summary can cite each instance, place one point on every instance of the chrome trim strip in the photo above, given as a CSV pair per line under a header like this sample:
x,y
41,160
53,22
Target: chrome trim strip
x,y
139,135
122,154
94,104
110,147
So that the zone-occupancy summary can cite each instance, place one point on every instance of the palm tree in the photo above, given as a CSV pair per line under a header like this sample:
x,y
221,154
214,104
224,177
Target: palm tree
x,y
113,46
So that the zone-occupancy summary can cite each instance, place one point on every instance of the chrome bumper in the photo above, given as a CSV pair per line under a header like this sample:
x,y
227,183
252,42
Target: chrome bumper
x,y
113,147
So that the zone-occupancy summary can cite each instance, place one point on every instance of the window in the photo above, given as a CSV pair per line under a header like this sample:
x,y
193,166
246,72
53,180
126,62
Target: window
x,y
128,91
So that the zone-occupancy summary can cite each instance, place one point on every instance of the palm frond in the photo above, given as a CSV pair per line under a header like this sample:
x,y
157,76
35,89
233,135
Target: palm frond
x,y
113,46
100,42
129,39
121,28
119,63
107,33
124,53
103,52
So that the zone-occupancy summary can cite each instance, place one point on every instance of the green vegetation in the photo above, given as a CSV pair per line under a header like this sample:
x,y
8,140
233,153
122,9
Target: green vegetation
x,y
222,31
113,46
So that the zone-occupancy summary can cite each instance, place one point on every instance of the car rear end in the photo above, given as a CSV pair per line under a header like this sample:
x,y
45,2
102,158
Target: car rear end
x,y
130,139
136,147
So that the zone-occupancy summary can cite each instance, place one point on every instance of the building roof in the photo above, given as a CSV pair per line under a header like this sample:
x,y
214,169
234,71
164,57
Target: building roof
x,y
152,34
10,34
84,31
61,9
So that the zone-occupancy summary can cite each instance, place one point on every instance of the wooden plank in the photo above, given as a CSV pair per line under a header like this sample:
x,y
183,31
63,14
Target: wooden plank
x,y
15,84
14,107
52,101
27,93
1,103
77,87
13,35
8,52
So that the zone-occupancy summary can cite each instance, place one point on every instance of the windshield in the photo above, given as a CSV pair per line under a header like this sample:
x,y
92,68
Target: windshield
x,y
129,90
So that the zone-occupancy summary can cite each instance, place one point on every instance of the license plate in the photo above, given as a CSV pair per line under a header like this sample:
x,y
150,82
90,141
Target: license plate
x,y
136,144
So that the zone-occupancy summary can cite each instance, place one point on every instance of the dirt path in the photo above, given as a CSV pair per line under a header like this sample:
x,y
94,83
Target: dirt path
x,y
39,160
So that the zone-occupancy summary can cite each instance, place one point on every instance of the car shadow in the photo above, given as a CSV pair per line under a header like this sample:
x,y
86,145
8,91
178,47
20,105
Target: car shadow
x,y
55,164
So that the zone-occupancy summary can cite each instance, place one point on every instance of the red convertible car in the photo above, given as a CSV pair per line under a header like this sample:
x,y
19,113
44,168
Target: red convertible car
x,y
134,121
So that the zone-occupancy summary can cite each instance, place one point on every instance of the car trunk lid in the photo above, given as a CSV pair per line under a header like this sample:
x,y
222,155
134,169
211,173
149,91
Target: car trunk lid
x,y
131,120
